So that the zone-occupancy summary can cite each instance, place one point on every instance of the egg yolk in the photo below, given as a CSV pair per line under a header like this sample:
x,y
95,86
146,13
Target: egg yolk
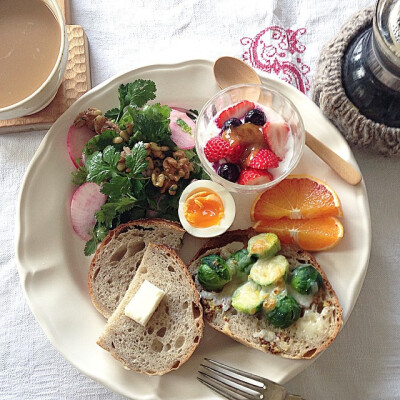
x,y
203,209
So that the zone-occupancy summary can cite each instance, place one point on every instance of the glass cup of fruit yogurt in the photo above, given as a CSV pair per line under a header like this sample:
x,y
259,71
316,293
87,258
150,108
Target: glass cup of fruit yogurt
x,y
249,137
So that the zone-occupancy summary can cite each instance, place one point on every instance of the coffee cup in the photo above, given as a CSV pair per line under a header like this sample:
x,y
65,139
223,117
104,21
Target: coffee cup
x,y
33,55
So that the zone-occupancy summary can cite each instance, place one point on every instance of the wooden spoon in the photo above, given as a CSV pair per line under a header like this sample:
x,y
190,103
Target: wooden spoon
x,y
230,71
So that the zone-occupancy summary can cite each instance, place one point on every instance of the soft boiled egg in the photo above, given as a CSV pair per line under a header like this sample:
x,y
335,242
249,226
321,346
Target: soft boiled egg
x,y
206,209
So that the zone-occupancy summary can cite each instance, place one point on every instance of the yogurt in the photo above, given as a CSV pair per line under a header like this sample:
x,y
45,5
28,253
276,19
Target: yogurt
x,y
253,138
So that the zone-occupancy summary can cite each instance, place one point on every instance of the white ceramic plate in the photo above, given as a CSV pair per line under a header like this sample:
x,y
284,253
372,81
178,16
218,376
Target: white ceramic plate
x,y
53,269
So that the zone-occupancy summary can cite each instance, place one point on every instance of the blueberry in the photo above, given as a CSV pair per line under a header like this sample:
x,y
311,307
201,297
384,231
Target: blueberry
x,y
256,117
231,122
229,171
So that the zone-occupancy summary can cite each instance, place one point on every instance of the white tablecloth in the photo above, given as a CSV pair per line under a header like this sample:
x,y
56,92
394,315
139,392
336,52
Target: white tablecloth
x,y
364,361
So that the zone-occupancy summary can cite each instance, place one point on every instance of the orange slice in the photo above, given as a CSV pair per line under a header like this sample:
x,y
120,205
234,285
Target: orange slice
x,y
313,234
296,197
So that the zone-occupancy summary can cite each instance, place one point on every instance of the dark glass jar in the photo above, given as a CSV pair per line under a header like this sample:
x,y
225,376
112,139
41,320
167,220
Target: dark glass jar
x,y
371,66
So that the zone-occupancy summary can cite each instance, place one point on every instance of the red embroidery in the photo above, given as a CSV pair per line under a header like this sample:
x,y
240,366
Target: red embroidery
x,y
277,50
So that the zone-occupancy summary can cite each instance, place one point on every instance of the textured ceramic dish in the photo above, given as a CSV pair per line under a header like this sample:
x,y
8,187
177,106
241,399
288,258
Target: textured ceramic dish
x,y
42,97
53,269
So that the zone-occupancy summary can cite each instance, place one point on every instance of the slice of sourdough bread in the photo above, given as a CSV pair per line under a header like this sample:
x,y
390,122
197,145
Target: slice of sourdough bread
x,y
119,255
313,332
174,330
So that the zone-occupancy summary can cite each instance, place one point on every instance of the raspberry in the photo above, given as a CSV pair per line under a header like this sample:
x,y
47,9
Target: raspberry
x,y
264,159
216,148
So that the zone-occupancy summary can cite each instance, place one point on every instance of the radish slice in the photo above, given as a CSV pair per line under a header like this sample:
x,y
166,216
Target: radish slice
x,y
86,200
76,141
184,140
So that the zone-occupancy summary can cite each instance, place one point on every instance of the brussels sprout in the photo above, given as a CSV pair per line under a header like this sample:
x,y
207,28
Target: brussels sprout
x,y
213,272
271,293
267,271
247,298
285,313
306,279
264,245
241,262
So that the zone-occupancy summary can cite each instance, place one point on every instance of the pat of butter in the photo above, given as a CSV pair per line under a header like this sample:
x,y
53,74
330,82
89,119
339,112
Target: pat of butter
x,y
144,303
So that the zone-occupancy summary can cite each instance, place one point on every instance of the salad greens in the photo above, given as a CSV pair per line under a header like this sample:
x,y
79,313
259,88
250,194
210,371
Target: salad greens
x,y
136,93
131,194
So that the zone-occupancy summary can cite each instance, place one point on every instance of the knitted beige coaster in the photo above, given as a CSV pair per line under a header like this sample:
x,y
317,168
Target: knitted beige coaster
x,y
328,93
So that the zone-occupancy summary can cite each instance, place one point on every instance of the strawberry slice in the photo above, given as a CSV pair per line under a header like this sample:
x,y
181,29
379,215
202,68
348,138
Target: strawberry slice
x,y
264,159
252,176
236,111
276,134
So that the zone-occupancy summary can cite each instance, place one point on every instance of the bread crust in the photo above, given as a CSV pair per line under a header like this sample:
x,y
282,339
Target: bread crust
x,y
143,331
142,224
214,315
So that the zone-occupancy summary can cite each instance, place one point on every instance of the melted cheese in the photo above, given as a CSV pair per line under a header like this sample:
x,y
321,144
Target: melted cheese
x,y
313,326
265,334
224,297
304,300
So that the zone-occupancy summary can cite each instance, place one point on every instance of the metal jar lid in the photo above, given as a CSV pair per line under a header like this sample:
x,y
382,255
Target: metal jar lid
x,y
386,42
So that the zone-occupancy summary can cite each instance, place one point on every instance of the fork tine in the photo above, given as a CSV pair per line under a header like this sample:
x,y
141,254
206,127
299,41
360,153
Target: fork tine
x,y
227,387
218,390
236,380
248,375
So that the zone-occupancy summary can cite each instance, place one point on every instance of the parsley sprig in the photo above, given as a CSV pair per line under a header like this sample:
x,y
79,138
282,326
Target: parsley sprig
x,y
136,93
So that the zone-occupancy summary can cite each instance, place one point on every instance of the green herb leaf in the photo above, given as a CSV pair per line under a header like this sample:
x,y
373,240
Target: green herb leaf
x,y
136,160
98,170
106,214
112,114
138,187
151,124
109,211
116,187
90,246
136,93
100,142
140,92
102,166
111,156
126,204
79,176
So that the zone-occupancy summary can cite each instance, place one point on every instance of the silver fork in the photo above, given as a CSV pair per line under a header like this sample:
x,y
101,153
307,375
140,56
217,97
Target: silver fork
x,y
229,382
